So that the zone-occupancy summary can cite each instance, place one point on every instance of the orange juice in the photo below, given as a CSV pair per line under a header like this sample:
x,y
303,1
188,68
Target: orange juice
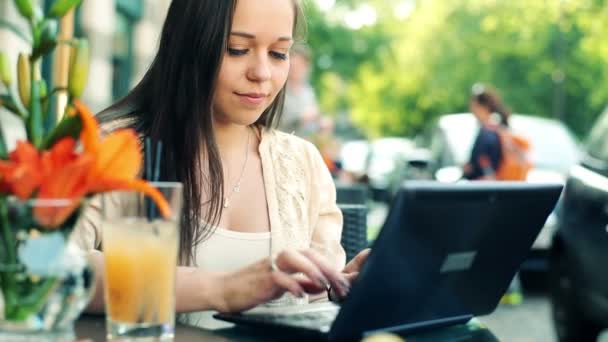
x,y
140,265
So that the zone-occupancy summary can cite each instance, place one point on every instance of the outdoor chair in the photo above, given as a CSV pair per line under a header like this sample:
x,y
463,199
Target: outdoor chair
x,y
352,201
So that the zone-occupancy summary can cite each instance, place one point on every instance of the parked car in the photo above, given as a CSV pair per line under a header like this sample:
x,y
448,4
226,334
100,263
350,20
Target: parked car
x,y
354,157
554,150
393,160
579,253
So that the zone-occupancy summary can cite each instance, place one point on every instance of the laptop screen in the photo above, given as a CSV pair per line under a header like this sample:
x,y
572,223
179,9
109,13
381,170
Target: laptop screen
x,y
445,252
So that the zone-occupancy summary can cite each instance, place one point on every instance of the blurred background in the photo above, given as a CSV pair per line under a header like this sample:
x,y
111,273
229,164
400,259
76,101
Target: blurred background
x,y
382,87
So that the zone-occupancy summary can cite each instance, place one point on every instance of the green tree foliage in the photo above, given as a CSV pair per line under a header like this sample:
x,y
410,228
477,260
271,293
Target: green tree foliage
x,y
339,52
416,68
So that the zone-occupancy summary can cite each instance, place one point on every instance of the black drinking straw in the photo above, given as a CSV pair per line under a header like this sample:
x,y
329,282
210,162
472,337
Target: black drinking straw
x,y
152,175
156,177
159,154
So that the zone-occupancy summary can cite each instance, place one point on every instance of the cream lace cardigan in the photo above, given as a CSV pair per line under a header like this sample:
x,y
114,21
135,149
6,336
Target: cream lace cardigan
x,y
301,199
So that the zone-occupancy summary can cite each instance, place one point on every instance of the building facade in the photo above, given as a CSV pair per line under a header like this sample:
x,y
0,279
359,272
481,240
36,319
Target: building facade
x,y
123,35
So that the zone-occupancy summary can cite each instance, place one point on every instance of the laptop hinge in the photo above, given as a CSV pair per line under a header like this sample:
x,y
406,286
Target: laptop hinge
x,y
411,327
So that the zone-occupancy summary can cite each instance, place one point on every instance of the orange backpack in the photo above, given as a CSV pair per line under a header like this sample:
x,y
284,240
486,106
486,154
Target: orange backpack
x,y
514,164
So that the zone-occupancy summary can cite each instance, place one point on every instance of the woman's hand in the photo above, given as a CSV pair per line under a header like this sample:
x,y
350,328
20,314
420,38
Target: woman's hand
x,y
351,272
297,272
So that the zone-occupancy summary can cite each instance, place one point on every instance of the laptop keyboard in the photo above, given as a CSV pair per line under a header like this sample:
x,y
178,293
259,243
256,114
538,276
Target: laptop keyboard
x,y
319,319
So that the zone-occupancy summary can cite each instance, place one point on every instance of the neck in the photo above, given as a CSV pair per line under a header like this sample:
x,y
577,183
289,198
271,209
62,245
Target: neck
x,y
484,118
230,138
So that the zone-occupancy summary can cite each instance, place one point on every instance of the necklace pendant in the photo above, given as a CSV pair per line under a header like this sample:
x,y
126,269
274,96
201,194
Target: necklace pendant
x,y
226,203
237,189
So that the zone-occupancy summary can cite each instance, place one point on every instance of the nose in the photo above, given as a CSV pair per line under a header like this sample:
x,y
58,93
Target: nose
x,y
259,70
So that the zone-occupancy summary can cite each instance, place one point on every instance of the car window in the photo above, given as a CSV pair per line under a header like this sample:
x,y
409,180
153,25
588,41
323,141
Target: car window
x,y
597,144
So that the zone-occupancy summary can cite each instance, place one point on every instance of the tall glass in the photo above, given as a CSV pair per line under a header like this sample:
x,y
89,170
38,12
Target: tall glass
x,y
140,250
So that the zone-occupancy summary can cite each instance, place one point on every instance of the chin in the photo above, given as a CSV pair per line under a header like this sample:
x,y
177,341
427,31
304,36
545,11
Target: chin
x,y
246,118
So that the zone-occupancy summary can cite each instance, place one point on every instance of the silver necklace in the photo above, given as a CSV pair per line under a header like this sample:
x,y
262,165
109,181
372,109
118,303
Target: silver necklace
x,y
237,187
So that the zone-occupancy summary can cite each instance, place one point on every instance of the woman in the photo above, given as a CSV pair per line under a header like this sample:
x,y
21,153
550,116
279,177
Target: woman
x,y
486,154
212,96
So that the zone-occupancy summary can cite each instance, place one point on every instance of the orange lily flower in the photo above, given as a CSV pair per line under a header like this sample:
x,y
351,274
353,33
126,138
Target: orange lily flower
x,y
117,160
64,177
55,174
21,173
67,182
109,163
62,153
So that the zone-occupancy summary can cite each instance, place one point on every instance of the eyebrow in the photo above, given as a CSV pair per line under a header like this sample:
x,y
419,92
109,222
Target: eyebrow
x,y
251,36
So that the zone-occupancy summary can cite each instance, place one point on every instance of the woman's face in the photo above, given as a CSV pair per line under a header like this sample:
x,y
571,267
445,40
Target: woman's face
x,y
256,64
479,110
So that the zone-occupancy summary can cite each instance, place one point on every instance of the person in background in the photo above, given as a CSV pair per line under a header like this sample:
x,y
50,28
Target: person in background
x,y
486,154
260,217
301,112
325,141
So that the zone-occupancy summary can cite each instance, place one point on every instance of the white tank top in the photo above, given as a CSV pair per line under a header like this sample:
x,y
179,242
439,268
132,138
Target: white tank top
x,y
226,251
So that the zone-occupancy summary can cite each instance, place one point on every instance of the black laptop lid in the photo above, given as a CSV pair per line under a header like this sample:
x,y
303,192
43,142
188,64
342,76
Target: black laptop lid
x,y
445,252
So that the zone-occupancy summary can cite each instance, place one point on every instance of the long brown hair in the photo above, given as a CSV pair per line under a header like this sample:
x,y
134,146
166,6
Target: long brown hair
x,y
173,103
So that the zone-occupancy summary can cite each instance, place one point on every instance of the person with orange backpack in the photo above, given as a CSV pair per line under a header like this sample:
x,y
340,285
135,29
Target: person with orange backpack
x,y
498,153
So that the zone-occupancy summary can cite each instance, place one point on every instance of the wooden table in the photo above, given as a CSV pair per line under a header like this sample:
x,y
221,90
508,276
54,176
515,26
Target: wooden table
x,y
93,327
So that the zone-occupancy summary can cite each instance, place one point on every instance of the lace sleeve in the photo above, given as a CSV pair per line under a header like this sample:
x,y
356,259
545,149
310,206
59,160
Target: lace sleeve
x,y
327,225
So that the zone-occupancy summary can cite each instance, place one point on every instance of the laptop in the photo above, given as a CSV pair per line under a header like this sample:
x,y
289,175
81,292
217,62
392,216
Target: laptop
x,y
446,253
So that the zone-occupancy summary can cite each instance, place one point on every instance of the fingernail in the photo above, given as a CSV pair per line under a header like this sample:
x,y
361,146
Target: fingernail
x,y
345,292
339,293
322,281
345,289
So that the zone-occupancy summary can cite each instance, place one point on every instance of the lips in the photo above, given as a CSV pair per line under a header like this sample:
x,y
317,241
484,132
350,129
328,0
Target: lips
x,y
252,98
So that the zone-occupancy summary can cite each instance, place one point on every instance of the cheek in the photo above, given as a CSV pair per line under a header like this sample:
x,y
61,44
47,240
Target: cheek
x,y
228,74
281,73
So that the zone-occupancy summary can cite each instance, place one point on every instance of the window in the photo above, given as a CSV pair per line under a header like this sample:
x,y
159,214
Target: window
x,y
128,12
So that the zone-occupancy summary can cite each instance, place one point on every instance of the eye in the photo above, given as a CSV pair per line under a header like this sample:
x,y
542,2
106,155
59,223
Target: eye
x,y
237,52
278,55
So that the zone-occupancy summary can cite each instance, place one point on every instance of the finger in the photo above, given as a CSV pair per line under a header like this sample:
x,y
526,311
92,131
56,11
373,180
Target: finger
x,y
336,279
334,296
295,262
351,277
287,282
357,262
310,286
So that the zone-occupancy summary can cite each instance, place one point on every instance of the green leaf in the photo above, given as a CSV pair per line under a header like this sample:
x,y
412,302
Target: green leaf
x,y
3,148
25,7
70,126
49,105
61,7
14,29
46,38
8,103
34,122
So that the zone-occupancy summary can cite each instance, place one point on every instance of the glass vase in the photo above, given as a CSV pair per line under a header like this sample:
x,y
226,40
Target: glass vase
x,y
45,281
